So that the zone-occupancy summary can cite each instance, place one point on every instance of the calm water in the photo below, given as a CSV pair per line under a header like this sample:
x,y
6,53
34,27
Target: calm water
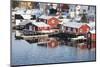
x,y
48,50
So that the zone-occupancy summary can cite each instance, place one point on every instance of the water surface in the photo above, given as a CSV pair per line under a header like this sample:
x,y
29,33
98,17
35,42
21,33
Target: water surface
x,y
48,50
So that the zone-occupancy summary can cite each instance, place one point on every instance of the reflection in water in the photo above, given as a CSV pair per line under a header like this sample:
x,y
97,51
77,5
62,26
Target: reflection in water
x,y
53,42
50,50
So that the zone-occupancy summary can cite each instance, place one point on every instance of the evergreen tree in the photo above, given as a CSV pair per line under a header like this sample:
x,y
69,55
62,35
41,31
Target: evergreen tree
x,y
84,19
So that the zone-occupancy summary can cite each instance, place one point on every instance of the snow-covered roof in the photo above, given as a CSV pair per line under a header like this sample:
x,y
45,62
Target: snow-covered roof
x,y
84,7
73,24
91,24
36,11
24,22
47,17
26,16
78,18
40,24
92,31
13,13
20,11
64,20
28,12
17,8
17,22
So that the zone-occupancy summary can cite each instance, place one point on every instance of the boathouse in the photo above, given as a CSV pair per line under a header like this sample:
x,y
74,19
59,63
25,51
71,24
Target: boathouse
x,y
40,26
35,26
53,21
75,28
20,24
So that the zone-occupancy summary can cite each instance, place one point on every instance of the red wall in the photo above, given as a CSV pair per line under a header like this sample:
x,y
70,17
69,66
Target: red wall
x,y
43,28
84,29
53,22
93,36
53,43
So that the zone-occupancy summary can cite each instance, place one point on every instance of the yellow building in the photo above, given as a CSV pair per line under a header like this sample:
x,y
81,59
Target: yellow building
x,y
27,5
23,4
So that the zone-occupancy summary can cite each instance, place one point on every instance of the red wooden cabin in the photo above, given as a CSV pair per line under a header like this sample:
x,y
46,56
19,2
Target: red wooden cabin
x,y
75,28
53,21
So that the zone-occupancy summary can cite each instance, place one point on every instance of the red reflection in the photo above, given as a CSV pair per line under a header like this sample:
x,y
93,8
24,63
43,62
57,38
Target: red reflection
x,y
85,46
53,43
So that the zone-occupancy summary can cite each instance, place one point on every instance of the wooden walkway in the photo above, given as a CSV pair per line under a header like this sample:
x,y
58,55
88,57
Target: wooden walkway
x,y
34,36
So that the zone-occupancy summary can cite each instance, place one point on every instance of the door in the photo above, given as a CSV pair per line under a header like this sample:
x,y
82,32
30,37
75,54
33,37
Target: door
x,y
30,28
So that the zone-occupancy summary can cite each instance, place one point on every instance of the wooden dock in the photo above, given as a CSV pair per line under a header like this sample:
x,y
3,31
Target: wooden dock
x,y
34,36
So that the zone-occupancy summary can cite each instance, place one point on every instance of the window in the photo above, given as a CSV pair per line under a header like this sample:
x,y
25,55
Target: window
x,y
69,29
75,30
66,28
80,30
84,11
87,29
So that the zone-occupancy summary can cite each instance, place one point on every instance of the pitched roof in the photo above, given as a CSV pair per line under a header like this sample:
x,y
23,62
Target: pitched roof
x,y
40,24
73,24
20,11
26,16
65,20
47,17
24,22
91,24
93,31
